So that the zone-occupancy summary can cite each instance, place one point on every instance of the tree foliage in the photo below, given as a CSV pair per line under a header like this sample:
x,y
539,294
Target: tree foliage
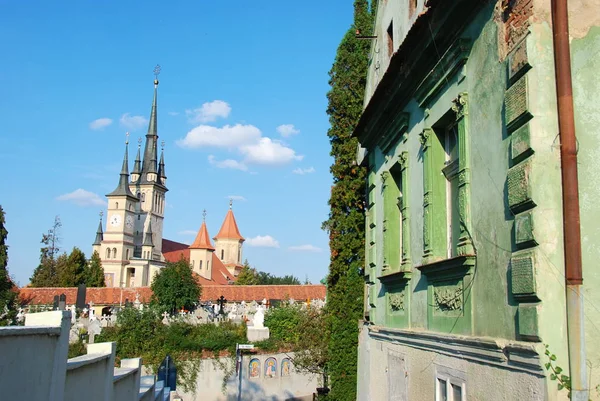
x,y
346,217
45,275
176,287
250,276
305,332
70,270
94,273
8,295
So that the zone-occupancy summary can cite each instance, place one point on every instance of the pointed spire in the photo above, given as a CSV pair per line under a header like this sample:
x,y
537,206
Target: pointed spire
x,y
202,240
148,236
123,187
150,158
229,229
137,165
99,232
161,165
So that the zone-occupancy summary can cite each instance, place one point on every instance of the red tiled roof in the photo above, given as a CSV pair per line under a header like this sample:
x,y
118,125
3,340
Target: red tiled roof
x,y
202,240
220,273
229,229
233,293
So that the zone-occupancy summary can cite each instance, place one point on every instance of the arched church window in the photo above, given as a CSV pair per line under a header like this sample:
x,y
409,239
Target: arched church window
x,y
126,254
143,197
192,264
114,253
200,265
107,253
116,205
139,195
222,253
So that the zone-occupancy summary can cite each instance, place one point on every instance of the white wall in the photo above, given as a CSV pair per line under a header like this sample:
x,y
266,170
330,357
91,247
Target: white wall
x,y
210,378
35,366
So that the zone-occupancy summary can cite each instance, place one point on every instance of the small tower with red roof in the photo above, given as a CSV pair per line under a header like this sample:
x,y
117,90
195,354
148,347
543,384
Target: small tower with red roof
x,y
228,243
201,251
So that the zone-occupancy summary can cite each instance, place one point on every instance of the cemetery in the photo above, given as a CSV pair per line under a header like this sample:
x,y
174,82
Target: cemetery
x,y
200,346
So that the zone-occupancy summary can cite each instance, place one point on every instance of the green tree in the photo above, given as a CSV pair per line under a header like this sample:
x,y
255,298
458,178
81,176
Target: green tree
x,y
345,224
70,269
8,295
176,287
247,276
94,273
45,275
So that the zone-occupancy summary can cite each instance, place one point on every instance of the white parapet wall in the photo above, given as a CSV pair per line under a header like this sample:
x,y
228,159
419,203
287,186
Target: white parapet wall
x,y
34,366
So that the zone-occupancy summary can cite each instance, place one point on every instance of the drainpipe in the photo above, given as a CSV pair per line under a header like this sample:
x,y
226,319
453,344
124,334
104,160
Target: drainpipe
x,y
570,197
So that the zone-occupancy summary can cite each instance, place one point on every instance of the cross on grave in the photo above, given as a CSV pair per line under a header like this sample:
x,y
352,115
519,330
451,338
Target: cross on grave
x,y
165,315
221,301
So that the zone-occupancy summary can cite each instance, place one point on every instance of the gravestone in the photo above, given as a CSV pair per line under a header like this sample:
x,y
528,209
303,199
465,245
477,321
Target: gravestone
x,y
62,302
258,332
80,302
55,303
94,328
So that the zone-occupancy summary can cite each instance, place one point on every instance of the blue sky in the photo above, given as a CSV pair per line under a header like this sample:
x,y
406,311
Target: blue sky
x,y
242,101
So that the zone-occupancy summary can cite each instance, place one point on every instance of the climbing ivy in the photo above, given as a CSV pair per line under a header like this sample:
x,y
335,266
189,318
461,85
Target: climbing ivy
x,y
345,224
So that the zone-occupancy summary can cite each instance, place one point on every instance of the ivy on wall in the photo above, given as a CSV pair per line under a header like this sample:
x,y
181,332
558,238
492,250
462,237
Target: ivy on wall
x,y
345,224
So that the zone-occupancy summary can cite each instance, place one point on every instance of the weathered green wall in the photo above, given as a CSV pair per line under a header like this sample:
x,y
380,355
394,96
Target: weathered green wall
x,y
586,90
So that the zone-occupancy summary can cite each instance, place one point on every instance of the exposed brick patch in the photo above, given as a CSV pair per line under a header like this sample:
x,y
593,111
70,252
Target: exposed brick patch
x,y
516,21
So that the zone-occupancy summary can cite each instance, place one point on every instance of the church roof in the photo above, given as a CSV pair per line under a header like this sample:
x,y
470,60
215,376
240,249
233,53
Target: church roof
x,y
202,240
229,229
173,251
99,234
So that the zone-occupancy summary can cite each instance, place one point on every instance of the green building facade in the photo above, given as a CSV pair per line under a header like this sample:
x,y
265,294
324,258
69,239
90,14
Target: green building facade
x,y
464,274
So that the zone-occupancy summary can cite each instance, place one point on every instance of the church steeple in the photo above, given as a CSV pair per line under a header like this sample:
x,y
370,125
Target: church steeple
x,y
99,233
149,164
137,165
148,236
123,186
161,165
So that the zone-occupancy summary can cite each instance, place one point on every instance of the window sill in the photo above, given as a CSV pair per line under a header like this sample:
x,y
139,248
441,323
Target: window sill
x,y
394,276
444,267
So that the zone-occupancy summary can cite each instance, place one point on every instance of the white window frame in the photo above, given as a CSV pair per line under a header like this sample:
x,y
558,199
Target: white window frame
x,y
450,381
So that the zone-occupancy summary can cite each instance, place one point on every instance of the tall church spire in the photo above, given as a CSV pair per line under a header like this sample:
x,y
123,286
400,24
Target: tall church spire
x,y
229,229
150,154
123,187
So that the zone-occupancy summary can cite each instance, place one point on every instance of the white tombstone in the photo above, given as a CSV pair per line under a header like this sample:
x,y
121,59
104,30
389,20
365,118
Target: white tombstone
x,y
258,331
165,319
73,310
20,315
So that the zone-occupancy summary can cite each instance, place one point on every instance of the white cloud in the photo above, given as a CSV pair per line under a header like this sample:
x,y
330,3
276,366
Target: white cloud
x,y
187,232
304,248
173,113
303,171
132,122
270,152
100,123
227,163
225,137
81,197
209,112
261,241
238,198
287,130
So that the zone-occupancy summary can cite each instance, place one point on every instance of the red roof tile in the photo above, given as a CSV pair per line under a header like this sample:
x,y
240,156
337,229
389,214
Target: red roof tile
x,y
233,293
229,229
202,240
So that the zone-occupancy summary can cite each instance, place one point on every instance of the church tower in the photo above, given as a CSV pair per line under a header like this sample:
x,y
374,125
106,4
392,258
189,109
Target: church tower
x,y
117,243
148,182
228,243
201,252
131,246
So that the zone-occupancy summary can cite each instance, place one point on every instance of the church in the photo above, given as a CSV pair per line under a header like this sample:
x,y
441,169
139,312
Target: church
x,y
132,247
